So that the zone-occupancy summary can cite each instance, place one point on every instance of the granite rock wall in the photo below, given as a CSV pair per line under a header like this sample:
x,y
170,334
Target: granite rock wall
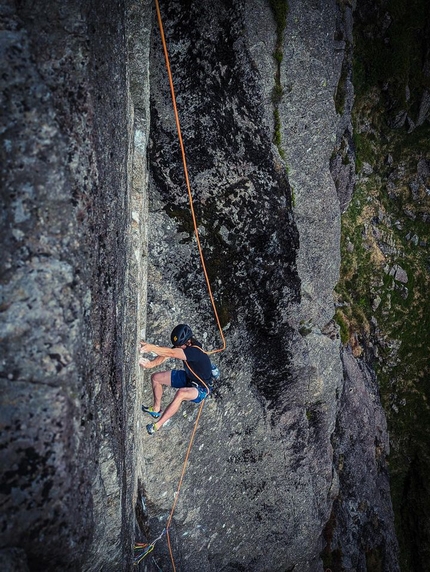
x,y
99,251
260,488
360,533
72,239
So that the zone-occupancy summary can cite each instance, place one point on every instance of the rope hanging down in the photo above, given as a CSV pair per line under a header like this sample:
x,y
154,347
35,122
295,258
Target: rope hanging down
x,y
184,162
142,549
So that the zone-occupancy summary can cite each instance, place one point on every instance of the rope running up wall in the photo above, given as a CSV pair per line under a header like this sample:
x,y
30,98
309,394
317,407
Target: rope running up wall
x,y
142,550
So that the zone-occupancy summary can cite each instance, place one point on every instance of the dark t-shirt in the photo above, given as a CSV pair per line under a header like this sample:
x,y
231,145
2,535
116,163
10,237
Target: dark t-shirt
x,y
200,363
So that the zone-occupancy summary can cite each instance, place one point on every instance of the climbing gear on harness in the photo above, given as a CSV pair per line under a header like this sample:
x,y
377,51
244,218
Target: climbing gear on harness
x,y
141,549
202,392
202,383
151,428
180,335
215,371
152,413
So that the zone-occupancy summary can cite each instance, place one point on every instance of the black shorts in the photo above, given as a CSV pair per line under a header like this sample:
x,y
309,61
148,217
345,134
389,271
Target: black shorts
x,y
178,378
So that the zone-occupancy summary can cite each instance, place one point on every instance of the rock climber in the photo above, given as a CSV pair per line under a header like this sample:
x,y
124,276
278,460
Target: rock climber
x,y
193,383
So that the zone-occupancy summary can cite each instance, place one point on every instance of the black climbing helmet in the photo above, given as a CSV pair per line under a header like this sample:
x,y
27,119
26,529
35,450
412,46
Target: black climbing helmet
x,y
181,334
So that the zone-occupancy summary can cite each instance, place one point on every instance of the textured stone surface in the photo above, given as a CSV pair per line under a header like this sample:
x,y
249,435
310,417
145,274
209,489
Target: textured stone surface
x,y
42,313
310,70
88,228
342,161
71,231
259,488
14,560
361,533
261,482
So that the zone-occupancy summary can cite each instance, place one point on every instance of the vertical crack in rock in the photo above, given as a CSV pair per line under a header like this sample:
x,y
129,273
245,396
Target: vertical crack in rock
x,y
99,250
262,471
68,278
242,196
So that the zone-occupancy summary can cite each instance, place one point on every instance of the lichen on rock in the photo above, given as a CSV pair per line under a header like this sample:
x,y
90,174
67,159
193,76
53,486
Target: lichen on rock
x,y
100,251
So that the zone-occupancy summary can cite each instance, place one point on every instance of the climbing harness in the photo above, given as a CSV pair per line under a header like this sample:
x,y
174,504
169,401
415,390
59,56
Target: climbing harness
x,y
194,373
142,550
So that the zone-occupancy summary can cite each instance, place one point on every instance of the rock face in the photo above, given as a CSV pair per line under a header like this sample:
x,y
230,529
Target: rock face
x,y
360,533
100,250
68,273
261,483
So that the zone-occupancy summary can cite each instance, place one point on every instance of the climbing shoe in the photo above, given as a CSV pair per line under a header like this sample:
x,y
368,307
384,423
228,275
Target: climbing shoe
x,y
152,413
151,428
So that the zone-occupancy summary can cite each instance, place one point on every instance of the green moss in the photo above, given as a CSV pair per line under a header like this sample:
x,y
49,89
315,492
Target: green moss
x,y
278,55
364,149
382,69
277,93
415,143
277,131
400,317
305,331
277,139
280,10
344,329
293,196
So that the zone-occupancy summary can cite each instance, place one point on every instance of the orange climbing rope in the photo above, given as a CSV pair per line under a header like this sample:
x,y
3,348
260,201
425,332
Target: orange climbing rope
x,y
184,161
148,548
184,467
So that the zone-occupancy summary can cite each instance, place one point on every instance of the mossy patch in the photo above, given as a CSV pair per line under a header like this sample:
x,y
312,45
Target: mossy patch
x,y
343,323
384,307
280,11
